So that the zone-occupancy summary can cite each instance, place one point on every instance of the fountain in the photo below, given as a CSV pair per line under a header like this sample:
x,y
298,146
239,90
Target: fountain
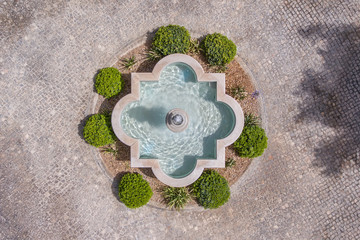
x,y
177,120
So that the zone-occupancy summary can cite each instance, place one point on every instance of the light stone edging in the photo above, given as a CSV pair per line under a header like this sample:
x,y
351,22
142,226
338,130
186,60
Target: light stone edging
x,y
219,78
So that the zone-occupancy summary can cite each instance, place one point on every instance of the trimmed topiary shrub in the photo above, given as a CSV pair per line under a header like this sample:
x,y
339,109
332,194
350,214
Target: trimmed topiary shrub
x,y
218,49
134,191
211,189
252,142
108,82
171,39
98,131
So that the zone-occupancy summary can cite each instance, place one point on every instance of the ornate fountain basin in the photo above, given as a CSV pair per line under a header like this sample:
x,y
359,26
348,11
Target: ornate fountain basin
x,y
177,120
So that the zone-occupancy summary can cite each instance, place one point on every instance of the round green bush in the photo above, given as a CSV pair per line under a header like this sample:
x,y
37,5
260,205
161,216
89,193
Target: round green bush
x,y
218,49
98,131
171,39
134,191
211,189
108,82
252,142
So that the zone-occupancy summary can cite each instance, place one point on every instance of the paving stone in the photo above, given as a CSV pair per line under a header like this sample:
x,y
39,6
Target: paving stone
x,y
304,56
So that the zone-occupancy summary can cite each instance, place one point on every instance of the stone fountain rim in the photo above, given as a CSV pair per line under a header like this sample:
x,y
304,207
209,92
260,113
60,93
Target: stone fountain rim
x,y
221,96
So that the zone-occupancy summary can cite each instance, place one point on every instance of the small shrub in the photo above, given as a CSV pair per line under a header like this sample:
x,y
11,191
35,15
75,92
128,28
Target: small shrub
x,y
229,163
176,197
218,49
98,131
128,63
152,55
252,142
194,46
134,191
171,39
251,120
239,92
111,150
221,69
108,82
211,189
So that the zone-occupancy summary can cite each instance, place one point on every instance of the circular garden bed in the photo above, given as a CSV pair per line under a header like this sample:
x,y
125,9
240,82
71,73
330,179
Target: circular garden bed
x,y
116,156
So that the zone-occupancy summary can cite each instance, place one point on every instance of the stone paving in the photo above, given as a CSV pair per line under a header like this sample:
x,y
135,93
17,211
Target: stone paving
x,y
304,56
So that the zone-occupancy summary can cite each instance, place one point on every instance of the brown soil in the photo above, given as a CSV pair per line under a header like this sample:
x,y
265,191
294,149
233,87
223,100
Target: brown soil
x,y
119,164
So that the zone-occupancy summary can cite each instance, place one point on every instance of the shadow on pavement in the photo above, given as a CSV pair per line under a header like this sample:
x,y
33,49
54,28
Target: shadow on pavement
x,y
332,96
115,184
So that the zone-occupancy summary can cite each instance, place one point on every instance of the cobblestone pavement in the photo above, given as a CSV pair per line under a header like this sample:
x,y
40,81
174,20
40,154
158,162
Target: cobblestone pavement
x,y
304,56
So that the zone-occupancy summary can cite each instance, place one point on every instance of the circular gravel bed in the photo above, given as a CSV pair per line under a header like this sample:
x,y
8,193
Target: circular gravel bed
x,y
118,163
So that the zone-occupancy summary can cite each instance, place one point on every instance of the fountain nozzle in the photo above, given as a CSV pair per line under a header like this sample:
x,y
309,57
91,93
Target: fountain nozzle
x,y
177,120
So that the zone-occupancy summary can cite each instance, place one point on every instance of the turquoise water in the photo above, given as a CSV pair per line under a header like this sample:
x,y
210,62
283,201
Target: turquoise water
x,y
209,120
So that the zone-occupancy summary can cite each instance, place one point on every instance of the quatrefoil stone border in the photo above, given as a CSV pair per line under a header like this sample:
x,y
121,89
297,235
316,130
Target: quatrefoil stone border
x,y
219,162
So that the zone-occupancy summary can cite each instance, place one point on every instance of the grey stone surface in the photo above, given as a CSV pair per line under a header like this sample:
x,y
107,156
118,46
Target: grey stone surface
x,y
305,58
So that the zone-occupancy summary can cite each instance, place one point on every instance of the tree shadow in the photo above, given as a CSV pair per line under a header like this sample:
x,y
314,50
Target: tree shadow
x,y
81,126
148,172
94,80
150,37
332,96
115,184
123,151
148,65
154,116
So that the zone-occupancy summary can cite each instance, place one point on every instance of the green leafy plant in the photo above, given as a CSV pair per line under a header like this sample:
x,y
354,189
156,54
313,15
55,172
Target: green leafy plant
x,y
221,69
218,49
134,191
251,120
194,46
153,55
239,92
171,39
108,82
128,63
98,131
211,189
176,198
111,150
252,142
230,162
